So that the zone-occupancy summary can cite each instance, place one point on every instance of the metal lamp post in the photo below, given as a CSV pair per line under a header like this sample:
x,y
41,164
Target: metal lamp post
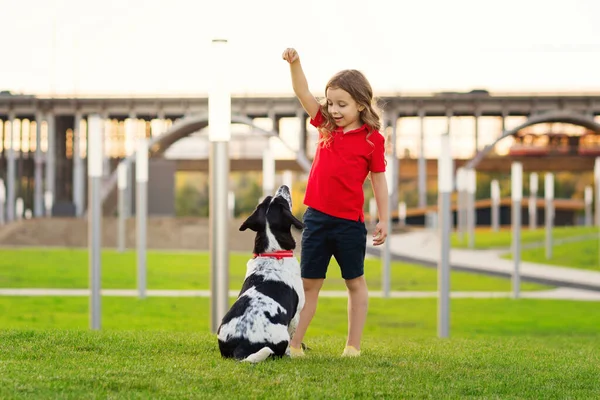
x,y
219,119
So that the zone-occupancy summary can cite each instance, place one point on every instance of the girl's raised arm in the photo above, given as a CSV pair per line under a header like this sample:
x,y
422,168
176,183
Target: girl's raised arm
x,y
300,84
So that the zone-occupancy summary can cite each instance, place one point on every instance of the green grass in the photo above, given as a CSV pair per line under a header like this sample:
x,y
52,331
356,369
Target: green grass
x,y
387,317
68,268
487,239
582,255
499,348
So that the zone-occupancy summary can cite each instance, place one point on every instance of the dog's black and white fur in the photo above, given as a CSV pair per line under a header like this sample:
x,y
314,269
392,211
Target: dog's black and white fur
x,y
264,317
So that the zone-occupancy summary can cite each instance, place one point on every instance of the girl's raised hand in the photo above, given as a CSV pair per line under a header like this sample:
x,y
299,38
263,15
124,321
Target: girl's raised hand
x,y
290,55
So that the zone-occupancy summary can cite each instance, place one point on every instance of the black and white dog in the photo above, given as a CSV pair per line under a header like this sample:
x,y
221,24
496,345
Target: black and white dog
x,y
264,317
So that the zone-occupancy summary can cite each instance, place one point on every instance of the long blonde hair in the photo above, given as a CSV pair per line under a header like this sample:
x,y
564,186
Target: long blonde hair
x,y
359,88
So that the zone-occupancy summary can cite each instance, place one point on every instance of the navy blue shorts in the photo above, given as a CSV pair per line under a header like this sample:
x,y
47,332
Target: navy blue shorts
x,y
325,236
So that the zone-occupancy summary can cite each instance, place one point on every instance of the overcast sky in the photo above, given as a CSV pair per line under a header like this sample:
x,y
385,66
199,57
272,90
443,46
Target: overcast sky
x,y
143,47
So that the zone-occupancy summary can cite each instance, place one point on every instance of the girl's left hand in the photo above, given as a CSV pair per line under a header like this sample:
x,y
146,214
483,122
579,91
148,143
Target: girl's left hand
x,y
380,234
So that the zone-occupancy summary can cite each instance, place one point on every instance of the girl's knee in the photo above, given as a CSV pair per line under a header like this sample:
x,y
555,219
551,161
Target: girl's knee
x,y
356,284
312,285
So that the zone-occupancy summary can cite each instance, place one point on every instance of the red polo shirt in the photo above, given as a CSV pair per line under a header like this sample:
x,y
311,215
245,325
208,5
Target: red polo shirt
x,y
335,182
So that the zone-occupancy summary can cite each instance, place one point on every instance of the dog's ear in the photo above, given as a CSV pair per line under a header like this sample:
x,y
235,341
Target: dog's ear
x,y
258,219
295,221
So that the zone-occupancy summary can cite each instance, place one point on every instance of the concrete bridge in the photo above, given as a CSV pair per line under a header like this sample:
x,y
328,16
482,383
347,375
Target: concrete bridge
x,y
45,151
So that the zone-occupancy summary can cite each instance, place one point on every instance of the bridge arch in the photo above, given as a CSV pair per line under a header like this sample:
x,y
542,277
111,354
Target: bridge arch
x,y
553,116
185,127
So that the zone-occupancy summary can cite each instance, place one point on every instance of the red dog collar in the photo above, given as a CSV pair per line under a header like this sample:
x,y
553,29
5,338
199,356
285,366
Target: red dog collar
x,y
277,254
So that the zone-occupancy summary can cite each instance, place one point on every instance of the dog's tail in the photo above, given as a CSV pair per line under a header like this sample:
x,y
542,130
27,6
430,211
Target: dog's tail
x,y
259,356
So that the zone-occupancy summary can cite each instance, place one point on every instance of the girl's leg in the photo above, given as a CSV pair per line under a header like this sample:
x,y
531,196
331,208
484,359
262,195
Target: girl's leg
x,y
311,293
358,301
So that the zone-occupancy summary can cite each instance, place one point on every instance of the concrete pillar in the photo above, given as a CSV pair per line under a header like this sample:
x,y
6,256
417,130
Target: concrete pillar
x,y
130,148
477,115
301,115
422,167
287,179
268,175
11,170
105,152
51,154
38,190
532,208
449,114
275,120
78,172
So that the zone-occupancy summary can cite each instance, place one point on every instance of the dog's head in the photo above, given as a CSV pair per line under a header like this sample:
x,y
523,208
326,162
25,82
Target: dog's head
x,y
272,221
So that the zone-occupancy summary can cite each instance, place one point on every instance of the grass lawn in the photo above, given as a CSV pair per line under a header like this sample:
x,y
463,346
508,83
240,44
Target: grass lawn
x,y
160,348
485,238
68,268
582,255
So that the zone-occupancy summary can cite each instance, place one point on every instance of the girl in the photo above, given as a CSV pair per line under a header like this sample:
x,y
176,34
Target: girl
x,y
350,147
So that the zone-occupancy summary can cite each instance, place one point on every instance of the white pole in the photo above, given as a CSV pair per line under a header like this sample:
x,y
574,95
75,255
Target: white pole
x,y
95,163
495,192
445,187
231,203
597,183
588,199
19,208
2,202
471,186
373,211
219,119
122,174
461,197
48,202
549,196
517,197
533,189
402,214
141,213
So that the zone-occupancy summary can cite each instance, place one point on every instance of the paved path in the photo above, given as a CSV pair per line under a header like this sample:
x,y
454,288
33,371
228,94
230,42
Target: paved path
x,y
423,247
556,294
